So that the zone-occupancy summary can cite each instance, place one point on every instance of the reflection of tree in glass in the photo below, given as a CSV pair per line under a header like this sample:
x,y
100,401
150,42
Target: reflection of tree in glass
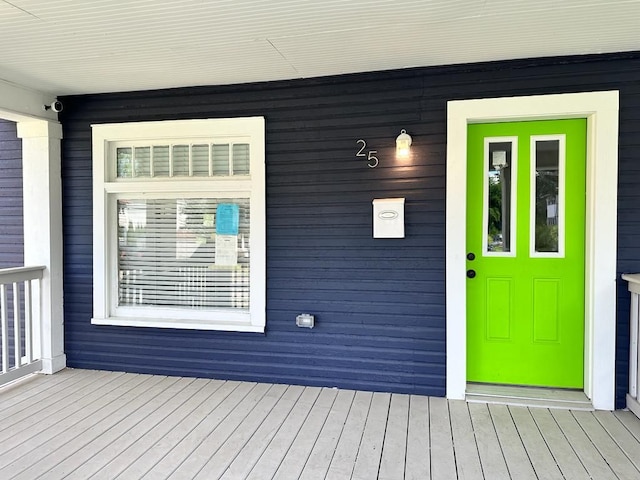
x,y
495,214
495,208
546,194
124,162
195,211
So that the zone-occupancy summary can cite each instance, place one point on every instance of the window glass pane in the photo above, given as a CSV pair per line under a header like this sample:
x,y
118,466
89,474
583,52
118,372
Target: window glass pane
x,y
191,252
141,161
220,159
498,201
161,161
200,160
181,160
123,161
241,159
546,198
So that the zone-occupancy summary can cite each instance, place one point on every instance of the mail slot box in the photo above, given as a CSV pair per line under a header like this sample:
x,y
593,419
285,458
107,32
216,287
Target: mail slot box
x,y
388,218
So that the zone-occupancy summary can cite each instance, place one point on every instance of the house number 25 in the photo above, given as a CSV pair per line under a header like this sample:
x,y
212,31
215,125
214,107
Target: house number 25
x,y
370,155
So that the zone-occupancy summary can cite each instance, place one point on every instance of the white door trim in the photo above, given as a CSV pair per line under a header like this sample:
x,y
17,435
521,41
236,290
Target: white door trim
x,y
601,111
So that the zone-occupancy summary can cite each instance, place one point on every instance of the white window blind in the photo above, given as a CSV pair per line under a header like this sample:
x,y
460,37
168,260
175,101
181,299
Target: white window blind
x,y
167,254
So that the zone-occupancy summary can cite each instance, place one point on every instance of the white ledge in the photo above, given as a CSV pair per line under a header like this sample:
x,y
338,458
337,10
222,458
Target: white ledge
x,y
187,324
634,281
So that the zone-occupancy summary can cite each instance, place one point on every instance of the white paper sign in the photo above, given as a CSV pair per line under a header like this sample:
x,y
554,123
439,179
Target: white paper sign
x,y
226,250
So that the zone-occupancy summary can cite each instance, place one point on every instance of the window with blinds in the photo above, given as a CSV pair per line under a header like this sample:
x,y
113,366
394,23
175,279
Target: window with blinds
x,y
179,224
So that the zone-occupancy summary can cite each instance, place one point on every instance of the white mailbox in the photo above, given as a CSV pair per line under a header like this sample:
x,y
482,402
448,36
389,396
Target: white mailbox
x,y
388,218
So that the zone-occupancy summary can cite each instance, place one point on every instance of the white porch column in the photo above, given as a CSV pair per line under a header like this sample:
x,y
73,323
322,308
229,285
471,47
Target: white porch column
x,y
42,194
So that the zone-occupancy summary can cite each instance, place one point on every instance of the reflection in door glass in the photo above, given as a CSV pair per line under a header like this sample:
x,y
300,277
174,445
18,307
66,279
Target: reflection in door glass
x,y
499,197
547,164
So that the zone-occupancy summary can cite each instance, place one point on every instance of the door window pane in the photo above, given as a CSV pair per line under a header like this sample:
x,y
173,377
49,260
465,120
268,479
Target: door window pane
x,y
498,196
547,198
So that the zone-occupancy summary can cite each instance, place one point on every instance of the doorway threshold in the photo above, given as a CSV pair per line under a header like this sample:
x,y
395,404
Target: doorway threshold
x,y
528,396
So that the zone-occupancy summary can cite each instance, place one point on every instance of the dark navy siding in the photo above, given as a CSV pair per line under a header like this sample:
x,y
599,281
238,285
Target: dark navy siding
x,y
628,222
379,303
11,226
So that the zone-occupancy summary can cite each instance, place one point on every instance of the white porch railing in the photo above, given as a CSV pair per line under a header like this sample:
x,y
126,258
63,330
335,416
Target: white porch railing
x,y
20,338
633,397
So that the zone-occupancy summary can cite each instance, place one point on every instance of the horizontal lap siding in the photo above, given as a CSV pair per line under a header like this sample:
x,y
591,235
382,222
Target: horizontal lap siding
x,y
379,303
628,221
11,212
11,225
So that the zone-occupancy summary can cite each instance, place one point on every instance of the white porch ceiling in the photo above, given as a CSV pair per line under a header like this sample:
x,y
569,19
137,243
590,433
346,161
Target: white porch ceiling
x,y
93,46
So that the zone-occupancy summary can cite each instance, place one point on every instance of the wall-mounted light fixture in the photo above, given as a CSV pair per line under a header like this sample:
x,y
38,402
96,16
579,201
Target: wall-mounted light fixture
x,y
403,144
499,159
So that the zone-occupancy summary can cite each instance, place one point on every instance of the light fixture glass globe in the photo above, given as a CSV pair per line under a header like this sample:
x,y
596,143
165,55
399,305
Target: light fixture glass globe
x,y
403,144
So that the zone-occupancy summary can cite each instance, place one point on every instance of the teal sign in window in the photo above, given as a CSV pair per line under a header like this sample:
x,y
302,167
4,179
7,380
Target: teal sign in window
x,y
227,219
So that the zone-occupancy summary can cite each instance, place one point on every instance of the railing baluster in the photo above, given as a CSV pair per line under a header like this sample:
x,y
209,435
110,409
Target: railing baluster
x,y
637,342
5,328
633,347
28,333
17,330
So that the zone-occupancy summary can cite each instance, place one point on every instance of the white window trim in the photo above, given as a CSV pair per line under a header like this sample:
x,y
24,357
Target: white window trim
x,y
601,111
103,245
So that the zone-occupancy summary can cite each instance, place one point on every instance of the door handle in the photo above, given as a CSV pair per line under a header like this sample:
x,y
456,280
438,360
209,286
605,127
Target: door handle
x,y
471,256
471,273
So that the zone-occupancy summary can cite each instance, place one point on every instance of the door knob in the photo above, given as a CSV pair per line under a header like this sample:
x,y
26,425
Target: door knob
x,y
471,273
471,256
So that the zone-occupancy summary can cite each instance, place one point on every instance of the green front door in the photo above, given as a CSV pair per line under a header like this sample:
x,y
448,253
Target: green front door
x,y
525,253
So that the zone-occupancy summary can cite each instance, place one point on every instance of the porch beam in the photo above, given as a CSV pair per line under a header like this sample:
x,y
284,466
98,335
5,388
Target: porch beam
x,y
18,103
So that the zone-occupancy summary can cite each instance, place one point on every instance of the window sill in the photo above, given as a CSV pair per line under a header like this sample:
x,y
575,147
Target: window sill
x,y
190,324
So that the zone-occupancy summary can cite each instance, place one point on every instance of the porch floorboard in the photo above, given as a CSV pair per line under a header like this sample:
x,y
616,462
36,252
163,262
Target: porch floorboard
x,y
80,424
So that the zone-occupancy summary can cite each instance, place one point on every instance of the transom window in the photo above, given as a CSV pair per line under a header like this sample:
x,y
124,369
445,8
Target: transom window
x,y
181,160
179,237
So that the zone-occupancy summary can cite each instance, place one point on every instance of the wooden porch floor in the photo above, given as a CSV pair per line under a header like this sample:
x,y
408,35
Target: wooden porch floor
x,y
81,424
